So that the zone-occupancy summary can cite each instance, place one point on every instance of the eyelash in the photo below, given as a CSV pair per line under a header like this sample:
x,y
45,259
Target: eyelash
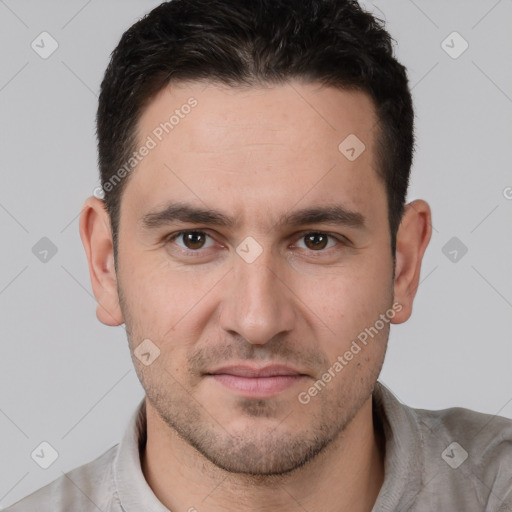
x,y
198,252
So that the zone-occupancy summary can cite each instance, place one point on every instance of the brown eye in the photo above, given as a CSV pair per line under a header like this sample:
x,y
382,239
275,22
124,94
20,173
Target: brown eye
x,y
316,241
191,240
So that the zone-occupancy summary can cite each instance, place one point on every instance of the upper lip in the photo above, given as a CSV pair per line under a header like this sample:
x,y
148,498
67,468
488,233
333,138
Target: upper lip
x,y
272,370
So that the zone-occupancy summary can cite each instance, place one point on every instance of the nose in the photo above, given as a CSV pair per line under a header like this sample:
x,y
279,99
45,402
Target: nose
x,y
258,303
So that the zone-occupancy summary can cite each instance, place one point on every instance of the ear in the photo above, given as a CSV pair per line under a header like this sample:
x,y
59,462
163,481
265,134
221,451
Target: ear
x,y
96,235
412,239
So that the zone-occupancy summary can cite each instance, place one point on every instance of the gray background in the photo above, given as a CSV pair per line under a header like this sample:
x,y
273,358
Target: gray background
x,y
68,380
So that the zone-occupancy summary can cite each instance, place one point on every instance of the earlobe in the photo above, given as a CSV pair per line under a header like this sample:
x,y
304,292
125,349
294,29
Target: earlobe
x,y
96,236
411,242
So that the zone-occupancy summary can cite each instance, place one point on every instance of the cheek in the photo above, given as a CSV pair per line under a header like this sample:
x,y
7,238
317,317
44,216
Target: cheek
x,y
166,300
350,300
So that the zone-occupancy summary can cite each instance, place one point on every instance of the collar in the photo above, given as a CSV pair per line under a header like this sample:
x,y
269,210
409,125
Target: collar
x,y
133,490
404,461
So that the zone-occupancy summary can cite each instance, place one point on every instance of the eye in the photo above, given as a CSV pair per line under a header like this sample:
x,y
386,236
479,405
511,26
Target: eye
x,y
318,240
191,240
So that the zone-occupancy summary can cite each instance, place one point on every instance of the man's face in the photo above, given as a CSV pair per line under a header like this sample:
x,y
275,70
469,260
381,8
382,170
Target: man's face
x,y
267,289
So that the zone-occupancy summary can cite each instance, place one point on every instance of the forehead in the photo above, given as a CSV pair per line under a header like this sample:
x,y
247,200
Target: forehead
x,y
265,146
277,114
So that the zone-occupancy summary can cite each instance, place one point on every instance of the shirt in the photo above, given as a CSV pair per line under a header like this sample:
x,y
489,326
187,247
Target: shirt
x,y
450,460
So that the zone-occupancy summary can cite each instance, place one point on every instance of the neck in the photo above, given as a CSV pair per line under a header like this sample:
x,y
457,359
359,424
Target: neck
x,y
346,476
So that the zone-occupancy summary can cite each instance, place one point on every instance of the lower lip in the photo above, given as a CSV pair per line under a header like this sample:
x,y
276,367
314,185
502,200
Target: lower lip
x,y
257,386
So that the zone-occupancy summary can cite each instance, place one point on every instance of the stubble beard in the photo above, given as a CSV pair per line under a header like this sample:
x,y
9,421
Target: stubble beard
x,y
264,450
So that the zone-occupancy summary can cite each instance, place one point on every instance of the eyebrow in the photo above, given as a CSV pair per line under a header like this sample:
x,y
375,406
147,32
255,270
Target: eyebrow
x,y
182,212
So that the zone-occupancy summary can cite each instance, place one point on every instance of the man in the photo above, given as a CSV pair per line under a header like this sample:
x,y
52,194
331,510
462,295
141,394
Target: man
x,y
255,241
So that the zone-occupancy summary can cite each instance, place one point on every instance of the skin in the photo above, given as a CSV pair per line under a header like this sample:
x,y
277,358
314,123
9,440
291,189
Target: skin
x,y
256,154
